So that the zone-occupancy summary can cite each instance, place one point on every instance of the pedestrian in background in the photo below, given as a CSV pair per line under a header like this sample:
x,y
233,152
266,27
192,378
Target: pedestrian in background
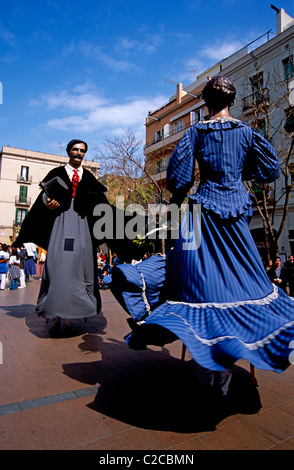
x,y
41,261
14,269
289,271
277,274
4,257
22,258
30,267
269,265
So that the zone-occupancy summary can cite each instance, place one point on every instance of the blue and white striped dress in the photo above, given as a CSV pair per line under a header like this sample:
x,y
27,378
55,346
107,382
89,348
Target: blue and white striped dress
x,y
223,305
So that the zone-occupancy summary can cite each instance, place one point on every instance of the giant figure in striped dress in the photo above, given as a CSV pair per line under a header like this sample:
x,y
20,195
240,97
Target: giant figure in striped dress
x,y
222,303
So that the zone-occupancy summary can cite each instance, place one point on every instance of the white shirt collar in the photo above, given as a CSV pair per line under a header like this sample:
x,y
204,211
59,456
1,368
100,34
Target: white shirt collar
x,y
70,170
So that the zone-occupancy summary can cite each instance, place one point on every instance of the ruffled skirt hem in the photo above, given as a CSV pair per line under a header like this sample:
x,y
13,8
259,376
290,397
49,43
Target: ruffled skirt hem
x,y
217,335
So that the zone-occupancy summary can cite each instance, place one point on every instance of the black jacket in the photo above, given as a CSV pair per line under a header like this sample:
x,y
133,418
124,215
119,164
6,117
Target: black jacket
x,y
38,223
272,275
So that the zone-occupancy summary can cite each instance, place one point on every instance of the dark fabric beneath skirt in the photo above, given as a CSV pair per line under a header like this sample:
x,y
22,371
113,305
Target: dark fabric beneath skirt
x,y
69,288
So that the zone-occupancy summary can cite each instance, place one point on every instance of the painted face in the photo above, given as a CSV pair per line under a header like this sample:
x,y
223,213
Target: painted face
x,y
76,155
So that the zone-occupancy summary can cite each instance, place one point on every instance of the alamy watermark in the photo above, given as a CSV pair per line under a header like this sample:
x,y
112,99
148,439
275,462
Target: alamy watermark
x,y
159,221
1,353
1,93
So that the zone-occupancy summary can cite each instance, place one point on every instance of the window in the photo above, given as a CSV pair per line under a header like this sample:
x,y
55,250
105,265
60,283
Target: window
x,y
201,114
196,116
193,118
257,87
261,127
160,165
289,124
24,173
23,193
259,96
178,126
20,215
291,241
288,67
158,135
291,167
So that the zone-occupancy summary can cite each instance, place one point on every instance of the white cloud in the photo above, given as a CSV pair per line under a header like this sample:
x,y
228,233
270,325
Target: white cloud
x,y
221,50
207,56
95,53
92,52
83,97
85,110
148,45
111,116
78,102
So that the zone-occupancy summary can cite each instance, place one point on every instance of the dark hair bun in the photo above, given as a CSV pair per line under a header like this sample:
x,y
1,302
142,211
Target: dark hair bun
x,y
219,92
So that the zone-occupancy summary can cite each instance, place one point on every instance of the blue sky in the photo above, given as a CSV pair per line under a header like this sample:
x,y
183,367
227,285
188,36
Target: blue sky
x,y
87,69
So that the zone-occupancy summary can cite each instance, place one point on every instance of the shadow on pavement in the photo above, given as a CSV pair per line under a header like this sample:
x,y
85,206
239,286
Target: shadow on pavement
x,y
164,397
38,326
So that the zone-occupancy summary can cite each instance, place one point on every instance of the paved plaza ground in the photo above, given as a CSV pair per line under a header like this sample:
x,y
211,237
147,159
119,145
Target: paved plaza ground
x,y
91,392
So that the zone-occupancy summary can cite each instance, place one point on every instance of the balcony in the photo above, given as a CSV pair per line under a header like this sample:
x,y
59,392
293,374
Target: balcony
x,y
257,99
24,179
172,136
22,201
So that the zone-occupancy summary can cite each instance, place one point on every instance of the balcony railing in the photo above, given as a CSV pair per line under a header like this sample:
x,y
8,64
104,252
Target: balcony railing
x,y
17,224
24,179
23,201
170,134
257,98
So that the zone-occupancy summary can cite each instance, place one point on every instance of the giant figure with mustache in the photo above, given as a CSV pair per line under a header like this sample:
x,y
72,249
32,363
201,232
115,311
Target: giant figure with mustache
x,y
61,221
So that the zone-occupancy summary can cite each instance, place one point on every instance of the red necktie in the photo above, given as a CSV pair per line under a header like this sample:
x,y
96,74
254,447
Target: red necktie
x,y
75,180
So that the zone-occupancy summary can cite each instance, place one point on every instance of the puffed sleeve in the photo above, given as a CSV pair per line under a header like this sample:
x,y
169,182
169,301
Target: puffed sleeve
x,y
181,166
261,163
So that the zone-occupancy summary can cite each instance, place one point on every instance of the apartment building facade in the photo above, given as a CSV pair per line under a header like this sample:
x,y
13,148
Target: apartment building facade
x,y
263,74
166,125
21,172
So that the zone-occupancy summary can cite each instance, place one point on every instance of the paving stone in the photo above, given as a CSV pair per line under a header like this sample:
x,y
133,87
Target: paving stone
x,y
91,392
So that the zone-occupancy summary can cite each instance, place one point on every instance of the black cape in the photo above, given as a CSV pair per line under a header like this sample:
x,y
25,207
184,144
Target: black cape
x,y
38,223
